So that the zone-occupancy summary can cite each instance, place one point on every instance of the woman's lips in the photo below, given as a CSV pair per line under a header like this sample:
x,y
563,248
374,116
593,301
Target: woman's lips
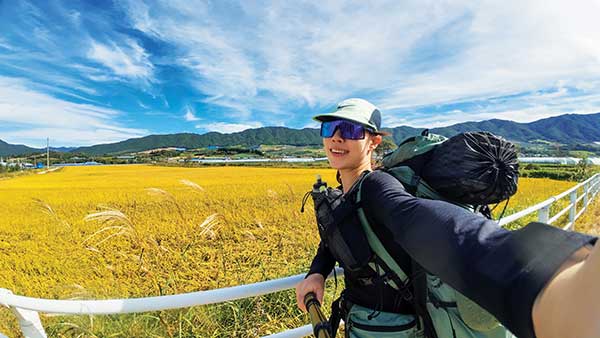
x,y
338,152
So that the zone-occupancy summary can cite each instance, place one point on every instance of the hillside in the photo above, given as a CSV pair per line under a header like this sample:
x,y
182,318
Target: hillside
x,y
565,129
250,137
15,149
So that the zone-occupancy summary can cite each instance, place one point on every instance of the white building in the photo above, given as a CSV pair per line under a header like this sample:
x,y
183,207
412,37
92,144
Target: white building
x,y
558,160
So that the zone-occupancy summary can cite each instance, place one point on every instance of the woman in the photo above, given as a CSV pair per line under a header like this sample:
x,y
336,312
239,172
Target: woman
x,y
539,281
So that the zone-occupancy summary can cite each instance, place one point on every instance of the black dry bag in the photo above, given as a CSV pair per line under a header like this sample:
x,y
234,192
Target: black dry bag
x,y
474,168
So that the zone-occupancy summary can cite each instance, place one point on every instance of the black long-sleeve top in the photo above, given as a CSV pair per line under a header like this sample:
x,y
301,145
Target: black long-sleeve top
x,y
501,270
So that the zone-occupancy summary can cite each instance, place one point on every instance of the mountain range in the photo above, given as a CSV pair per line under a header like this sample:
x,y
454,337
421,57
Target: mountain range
x,y
564,129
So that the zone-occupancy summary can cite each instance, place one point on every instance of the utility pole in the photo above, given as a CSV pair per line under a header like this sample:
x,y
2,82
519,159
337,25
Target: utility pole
x,y
48,152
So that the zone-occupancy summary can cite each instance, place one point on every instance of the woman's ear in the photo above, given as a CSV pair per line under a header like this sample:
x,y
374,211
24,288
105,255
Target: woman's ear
x,y
375,141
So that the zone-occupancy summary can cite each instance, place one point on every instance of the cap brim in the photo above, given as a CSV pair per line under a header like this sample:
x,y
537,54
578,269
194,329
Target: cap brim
x,y
334,116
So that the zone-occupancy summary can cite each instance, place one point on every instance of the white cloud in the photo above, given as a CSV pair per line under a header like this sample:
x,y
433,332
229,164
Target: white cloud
x,y
224,127
27,115
312,124
5,45
523,111
189,115
36,137
280,56
423,62
402,55
141,104
511,48
128,60
51,80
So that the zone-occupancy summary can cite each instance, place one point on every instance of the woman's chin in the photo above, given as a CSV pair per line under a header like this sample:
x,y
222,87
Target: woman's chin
x,y
335,163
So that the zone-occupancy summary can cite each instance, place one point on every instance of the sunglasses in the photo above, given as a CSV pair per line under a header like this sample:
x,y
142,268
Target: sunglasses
x,y
348,130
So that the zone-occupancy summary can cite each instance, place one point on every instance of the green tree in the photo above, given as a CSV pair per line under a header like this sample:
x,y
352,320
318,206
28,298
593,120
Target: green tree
x,y
386,145
582,169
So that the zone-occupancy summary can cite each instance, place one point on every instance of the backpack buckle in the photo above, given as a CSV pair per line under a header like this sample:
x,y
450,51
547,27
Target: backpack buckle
x,y
403,289
406,293
414,181
366,281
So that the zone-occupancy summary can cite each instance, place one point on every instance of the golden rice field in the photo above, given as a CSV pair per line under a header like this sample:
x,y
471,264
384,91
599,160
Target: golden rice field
x,y
134,231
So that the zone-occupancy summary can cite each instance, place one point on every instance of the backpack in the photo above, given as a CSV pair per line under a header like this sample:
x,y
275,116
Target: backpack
x,y
468,169
441,310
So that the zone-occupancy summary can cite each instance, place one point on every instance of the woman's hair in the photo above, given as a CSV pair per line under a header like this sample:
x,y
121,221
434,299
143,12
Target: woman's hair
x,y
381,132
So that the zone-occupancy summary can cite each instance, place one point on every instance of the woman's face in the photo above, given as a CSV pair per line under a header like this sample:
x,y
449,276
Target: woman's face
x,y
349,154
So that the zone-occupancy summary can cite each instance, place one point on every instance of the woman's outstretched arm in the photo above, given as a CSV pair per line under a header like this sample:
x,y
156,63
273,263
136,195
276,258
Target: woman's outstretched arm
x,y
569,305
503,271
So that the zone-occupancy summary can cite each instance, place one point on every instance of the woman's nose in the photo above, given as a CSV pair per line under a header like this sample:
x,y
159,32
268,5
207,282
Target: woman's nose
x,y
337,136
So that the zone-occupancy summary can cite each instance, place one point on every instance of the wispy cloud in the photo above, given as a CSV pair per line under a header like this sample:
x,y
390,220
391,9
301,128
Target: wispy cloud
x,y
403,55
33,116
141,104
5,45
189,114
129,60
290,55
526,108
242,64
224,127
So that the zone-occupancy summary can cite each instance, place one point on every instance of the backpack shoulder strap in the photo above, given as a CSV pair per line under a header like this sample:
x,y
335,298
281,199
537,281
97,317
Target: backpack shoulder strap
x,y
416,293
374,241
420,290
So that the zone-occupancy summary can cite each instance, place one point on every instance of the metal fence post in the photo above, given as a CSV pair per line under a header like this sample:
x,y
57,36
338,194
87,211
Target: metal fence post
x,y
586,190
544,214
573,210
30,323
29,320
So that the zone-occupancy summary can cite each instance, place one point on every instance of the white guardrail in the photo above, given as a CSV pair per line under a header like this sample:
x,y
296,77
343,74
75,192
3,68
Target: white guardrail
x,y
26,309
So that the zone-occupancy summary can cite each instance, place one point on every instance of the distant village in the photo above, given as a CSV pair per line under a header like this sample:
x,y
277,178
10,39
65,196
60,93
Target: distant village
x,y
217,155
168,155
572,166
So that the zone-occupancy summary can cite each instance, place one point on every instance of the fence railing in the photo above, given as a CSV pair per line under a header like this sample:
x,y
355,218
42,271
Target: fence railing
x,y
27,309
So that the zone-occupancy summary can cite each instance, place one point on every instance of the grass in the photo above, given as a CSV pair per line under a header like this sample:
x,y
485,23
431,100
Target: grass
x,y
136,231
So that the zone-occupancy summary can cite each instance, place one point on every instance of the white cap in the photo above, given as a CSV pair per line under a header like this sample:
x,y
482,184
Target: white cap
x,y
357,110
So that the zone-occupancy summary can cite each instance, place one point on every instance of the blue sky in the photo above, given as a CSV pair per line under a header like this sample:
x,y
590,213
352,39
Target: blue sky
x,y
94,72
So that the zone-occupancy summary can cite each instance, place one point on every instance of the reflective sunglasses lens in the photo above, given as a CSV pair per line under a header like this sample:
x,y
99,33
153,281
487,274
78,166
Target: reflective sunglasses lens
x,y
348,130
328,128
351,131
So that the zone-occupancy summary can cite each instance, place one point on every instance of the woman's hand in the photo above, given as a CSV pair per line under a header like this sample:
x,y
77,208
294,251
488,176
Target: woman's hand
x,y
315,283
569,305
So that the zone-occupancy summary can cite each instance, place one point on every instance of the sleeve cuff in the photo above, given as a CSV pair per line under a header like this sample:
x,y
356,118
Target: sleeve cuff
x,y
544,248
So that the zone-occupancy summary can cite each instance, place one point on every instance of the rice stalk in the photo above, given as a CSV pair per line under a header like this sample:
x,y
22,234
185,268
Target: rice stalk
x,y
207,226
164,194
192,185
48,210
109,216
207,229
259,224
45,207
113,219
